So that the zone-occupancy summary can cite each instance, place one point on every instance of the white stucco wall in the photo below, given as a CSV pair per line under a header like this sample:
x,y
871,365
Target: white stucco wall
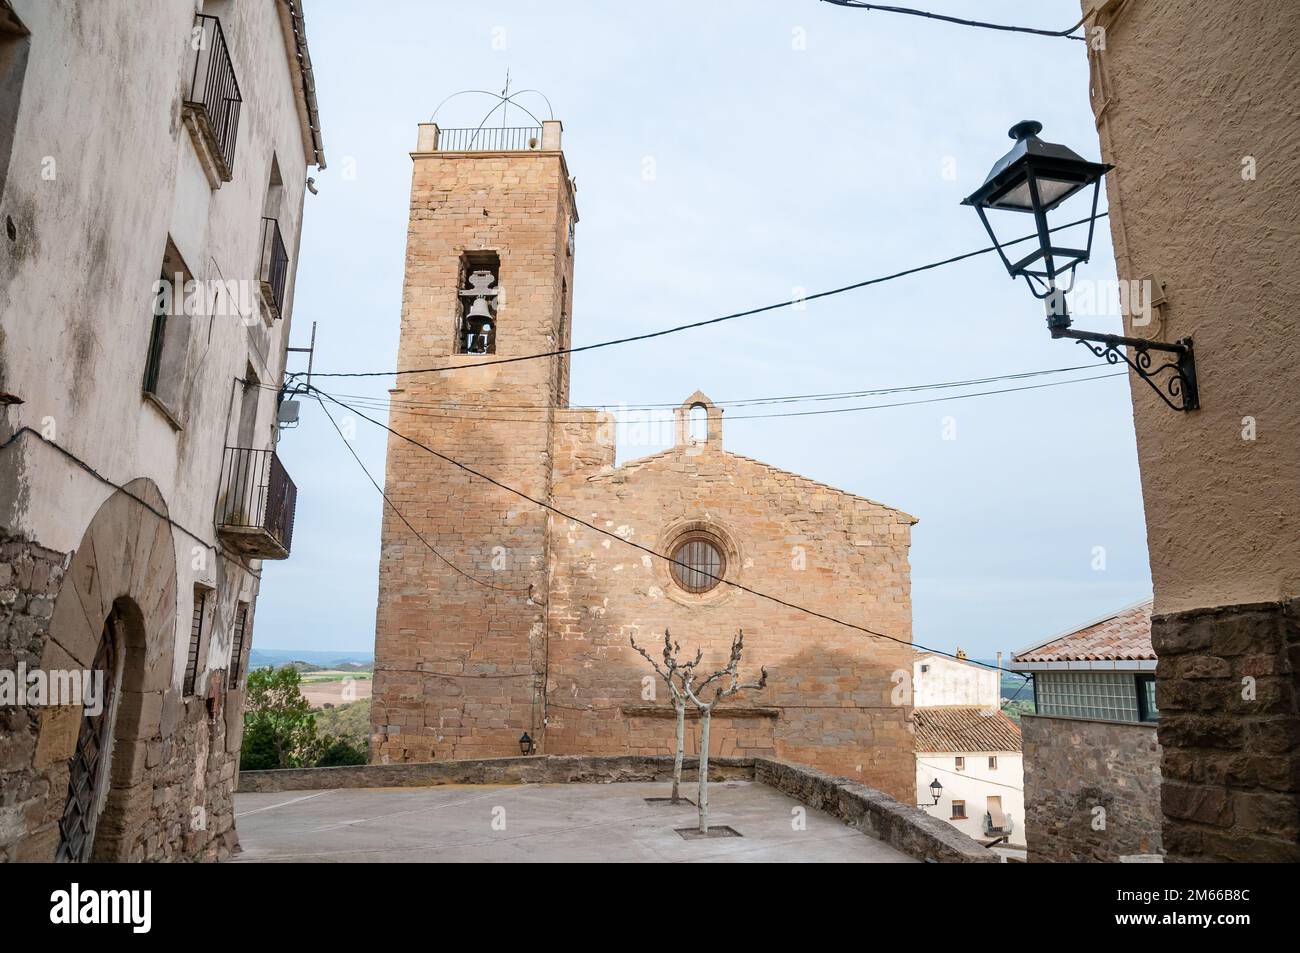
x,y
952,682
974,785
101,109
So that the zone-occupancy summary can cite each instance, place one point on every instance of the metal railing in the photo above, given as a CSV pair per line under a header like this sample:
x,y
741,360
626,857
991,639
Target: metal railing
x,y
214,90
274,272
257,494
490,139
1007,826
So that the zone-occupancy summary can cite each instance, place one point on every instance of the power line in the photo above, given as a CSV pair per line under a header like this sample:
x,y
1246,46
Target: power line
x,y
376,485
376,401
857,5
698,324
123,490
627,542
800,413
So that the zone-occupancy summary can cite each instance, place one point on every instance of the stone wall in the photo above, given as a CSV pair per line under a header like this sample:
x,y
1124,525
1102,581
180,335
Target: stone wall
x,y
30,577
1092,789
1227,686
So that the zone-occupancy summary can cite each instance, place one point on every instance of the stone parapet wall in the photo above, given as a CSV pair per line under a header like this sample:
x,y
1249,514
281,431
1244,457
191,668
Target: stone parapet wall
x,y
1092,789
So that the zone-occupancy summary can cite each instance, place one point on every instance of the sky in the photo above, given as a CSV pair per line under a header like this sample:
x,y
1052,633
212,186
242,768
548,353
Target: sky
x,y
728,155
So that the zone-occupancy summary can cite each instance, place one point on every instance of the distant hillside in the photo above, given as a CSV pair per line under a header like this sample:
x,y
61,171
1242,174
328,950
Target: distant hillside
x,y
341,660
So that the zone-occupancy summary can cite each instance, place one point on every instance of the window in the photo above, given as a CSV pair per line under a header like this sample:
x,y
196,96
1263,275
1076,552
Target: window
x,y
1099,696
237,643
925,668
698,564
958,810
165,293
196,637
959,764
169,337
1146,695
478,295
993,762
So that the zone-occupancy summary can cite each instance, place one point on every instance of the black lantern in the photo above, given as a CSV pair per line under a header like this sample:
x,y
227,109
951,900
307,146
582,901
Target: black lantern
x,y
936,790
1035,178
526,744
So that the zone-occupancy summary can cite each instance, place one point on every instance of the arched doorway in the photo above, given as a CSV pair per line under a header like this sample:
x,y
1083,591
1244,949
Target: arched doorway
x,y
116,614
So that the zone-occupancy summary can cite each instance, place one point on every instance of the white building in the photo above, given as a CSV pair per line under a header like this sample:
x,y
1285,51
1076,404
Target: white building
x,y
153,161
969,748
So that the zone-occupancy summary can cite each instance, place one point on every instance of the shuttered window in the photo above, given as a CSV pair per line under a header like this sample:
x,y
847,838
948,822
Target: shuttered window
x,y
237,646
196,637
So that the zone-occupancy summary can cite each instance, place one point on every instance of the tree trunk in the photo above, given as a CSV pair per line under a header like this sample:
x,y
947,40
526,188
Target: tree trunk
x,y
680,705
706,716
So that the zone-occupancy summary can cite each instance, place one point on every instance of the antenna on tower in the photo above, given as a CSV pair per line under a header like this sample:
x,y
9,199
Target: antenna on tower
x,y
503,100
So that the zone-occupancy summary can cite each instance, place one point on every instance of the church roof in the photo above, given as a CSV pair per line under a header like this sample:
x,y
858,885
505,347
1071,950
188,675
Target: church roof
x,y
662,455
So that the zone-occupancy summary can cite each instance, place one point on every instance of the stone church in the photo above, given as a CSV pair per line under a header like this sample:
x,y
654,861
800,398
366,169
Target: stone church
x,y
511,619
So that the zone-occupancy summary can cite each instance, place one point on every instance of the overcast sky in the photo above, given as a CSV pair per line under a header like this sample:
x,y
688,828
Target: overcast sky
x,y
793,145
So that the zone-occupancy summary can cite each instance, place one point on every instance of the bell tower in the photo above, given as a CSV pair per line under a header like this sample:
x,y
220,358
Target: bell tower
x,y
460,640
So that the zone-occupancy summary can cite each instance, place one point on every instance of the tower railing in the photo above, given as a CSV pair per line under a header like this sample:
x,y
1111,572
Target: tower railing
x,y
491,139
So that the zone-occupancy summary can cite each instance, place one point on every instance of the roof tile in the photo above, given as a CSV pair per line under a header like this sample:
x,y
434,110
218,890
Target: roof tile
x,y
964,728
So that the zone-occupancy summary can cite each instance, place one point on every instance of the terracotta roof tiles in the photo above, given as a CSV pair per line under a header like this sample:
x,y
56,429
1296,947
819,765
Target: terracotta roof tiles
x,y
960,728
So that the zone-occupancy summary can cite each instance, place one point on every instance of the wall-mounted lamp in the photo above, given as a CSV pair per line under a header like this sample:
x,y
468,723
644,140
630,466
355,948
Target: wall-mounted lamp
x,y
526,744
1036,177
936,790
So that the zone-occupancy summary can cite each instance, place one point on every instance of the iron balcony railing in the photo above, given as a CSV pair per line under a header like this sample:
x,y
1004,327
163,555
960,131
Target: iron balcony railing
x,y
214,91
256,503
490,139
274,273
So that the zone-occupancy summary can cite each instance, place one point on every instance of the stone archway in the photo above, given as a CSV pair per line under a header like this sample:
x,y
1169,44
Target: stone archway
x,y
122,577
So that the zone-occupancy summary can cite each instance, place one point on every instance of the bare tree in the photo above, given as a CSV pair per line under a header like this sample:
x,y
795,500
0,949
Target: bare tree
x,y
725,690
675,674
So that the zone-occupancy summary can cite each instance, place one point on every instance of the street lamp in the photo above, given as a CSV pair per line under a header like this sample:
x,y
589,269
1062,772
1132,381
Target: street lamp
x,y
1035,178
936,790
526,744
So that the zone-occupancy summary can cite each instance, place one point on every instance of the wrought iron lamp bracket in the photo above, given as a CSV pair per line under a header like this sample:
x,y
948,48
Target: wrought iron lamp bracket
x,y
1174,380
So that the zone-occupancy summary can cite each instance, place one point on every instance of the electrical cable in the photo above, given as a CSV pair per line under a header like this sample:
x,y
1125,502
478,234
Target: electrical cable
x,y
122,489
400,516
697,324
858,5
802,413
627,542
737,402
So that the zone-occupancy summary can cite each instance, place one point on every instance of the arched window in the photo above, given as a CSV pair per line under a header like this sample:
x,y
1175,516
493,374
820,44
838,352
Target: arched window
x,y
699,424
698,563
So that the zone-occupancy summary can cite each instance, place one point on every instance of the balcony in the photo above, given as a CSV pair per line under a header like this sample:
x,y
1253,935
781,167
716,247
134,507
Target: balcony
x,y
212,102
1000,829
255,504
273,268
